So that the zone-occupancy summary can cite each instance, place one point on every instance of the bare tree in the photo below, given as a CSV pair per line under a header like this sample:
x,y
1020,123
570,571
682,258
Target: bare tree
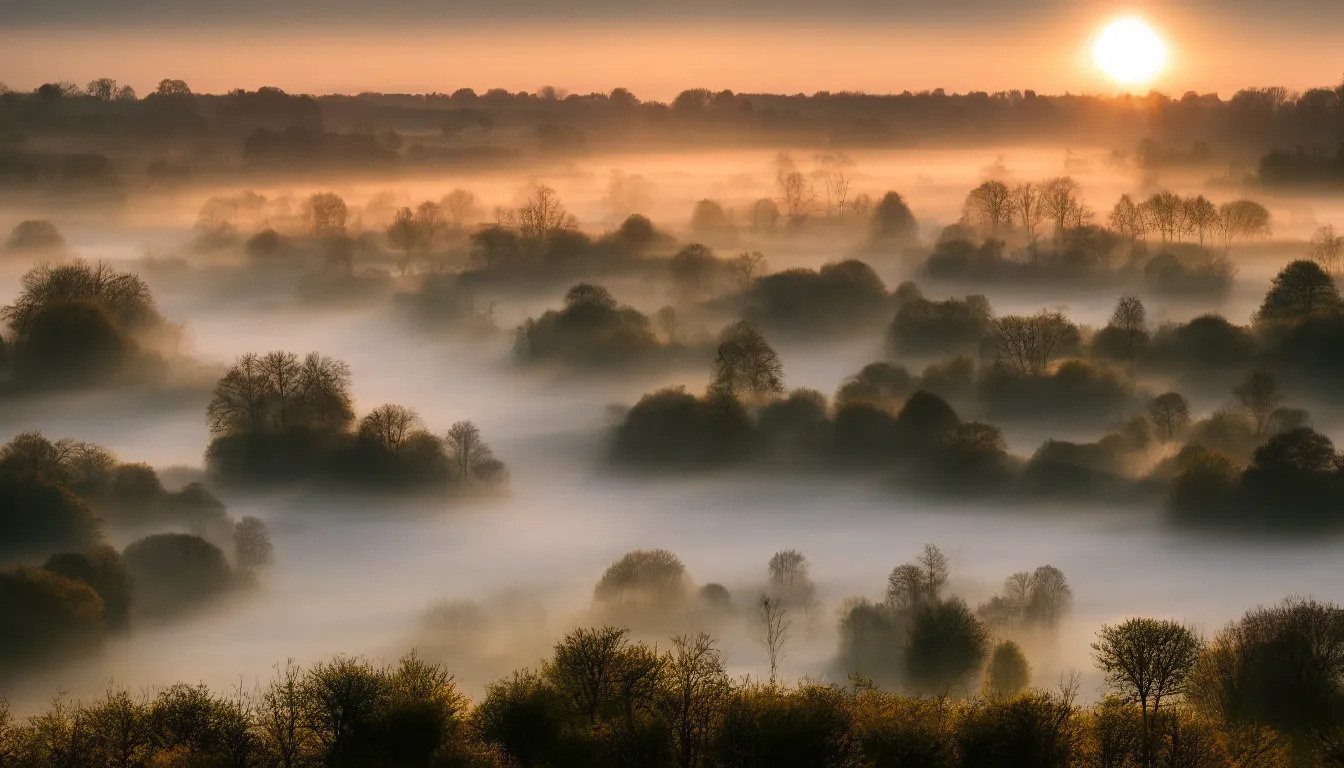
x,y
790,581
404,233
467,449
1060,202
668,323
920,582
746,267
429,218
1127,220
390,426
459,205
1028,209
1327,249
1259,395
1201,216
990,207
774,619
832,167
1170,413
1245,219
1166,213
695,686
1028,345
797,194
1131,319
543,214
103,89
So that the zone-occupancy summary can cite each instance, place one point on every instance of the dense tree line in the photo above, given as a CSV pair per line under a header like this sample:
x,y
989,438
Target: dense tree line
x,y
1263,691
271,127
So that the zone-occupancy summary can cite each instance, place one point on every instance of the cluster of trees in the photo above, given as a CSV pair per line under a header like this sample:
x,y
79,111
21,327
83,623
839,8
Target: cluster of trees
x,y
57,498
279,418
592,330
1042,230
1264,691
79,324
34,236
921,639
269,126
1240,464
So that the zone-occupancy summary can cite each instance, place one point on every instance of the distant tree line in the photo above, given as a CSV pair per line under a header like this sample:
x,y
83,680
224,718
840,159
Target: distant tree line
x,y
269,126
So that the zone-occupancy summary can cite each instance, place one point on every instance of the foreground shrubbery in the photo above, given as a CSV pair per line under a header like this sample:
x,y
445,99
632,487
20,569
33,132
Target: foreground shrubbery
x,y
1263,692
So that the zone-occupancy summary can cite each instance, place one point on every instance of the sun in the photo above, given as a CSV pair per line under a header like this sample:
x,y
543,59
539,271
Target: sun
x,y
1130,52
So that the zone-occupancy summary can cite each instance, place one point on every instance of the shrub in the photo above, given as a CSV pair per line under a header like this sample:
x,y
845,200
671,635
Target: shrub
x,y
176,571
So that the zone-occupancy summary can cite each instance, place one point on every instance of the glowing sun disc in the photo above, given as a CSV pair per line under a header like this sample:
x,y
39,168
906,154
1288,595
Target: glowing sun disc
x,y
1130,52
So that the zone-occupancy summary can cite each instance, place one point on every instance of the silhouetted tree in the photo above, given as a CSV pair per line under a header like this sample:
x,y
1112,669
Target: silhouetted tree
x,y
744,362
1259,395
948,645
1062,204
1243,219
252,548
1148,660
1300,291
1008,673
1127,220
34,235
543,214
1028,208
990,207
1327,249
653,578
467,450
325,214
103,569
1170,413
790,581
44,615
1202,216
892,222
746,267
693,269
405,234
773,617
175,571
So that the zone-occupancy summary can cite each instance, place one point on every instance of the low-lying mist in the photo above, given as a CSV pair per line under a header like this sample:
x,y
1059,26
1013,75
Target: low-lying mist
x,y
507,574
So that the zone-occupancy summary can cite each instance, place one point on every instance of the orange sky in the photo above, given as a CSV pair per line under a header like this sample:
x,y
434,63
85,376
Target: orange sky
x,y
658,60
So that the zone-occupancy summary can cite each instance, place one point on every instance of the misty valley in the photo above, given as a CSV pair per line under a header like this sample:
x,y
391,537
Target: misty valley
x,y
546,429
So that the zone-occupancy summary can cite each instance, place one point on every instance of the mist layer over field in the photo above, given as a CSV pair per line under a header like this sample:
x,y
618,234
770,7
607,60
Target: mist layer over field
x,y
356,575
